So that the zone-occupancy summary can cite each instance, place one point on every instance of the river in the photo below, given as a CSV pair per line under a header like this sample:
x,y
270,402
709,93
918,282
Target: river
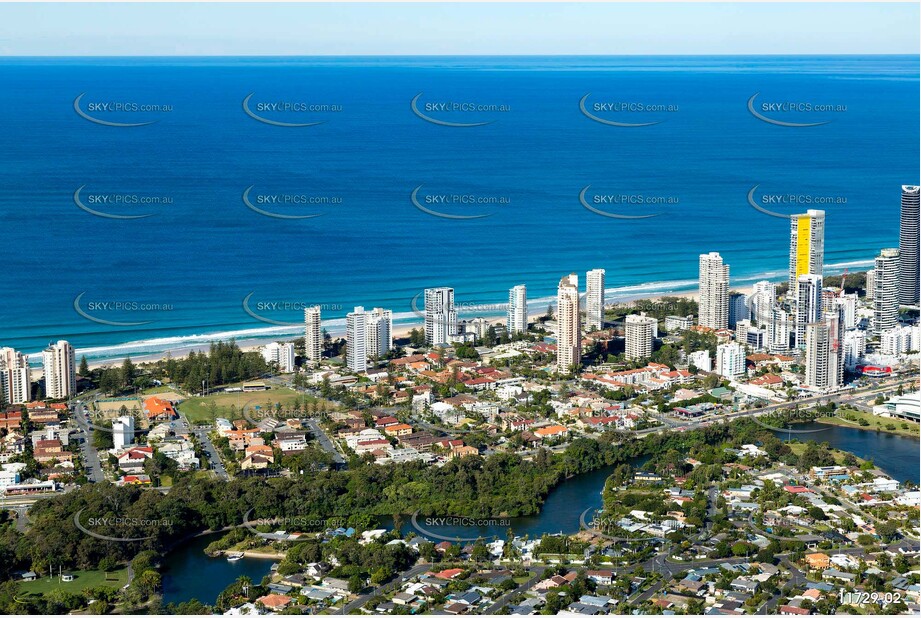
x,y
189,573
897,456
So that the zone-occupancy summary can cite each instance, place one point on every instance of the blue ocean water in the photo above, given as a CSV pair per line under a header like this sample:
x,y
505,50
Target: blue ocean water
x,y
181,274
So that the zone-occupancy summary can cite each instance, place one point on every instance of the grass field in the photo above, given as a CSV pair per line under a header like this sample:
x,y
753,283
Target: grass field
x,y
799,447
198,409
84,579
875,422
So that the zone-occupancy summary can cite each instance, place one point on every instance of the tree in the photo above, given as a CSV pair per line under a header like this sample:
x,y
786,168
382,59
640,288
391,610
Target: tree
x,y
84,369
127,373
416,338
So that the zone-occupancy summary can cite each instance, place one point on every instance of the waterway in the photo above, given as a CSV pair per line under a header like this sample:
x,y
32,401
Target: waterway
x,y
897,456
189,573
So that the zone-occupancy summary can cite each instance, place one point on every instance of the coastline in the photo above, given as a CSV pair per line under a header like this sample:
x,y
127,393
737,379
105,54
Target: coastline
x,y
400,330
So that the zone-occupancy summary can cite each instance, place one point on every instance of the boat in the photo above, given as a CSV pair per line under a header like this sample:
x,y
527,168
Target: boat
x,y
234,556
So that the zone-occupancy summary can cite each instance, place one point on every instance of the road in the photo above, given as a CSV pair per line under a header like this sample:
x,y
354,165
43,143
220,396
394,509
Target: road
x,y
325,442
85,436
202,434
397,581
538,575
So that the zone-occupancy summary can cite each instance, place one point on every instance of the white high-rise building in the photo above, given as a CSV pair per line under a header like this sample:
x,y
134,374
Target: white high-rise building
x,y
761,302
855,346
742,327
569,324
818,359
899,340
714,291
886,291
15,377
779,330
807,245
825,353
848,304
280,353
517,310
808,293
440,316
123,432
313,334
871,283
60,371
738,308
909,238
594,299
701,359
639,331
380,332
730,359
356,340
834,317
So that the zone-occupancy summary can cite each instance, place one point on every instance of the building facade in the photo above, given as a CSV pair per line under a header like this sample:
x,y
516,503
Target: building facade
x,y
60,370
714,291
440,316
909,238
15,377
569,324
886,291
639,331
313,334
517,319
594,299
807,245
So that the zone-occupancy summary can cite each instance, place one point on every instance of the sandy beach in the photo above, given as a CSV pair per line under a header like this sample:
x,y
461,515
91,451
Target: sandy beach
x,y
400,331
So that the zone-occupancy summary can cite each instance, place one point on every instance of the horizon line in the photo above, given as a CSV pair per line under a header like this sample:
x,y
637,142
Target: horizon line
x,y
498,55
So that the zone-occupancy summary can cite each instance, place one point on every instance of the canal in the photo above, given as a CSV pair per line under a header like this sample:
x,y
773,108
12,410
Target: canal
x,y
189,573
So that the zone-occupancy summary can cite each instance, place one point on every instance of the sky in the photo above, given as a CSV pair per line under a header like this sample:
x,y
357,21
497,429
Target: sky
x,y
150,29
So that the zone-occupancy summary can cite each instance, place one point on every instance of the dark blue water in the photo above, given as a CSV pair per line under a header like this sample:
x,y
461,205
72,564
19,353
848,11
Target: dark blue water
x,y
897,456
189,573
203,250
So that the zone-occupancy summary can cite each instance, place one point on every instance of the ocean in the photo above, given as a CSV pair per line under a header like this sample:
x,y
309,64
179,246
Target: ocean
x,y
388,147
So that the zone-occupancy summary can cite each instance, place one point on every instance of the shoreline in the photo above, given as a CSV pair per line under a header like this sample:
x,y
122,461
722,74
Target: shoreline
x,y
827,420
400,331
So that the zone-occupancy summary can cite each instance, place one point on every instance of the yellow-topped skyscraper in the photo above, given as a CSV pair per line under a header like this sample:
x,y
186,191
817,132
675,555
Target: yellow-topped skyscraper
x,y
807,244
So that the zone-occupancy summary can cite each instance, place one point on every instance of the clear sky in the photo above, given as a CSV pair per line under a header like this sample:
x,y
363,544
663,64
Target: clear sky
x,y
455,28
